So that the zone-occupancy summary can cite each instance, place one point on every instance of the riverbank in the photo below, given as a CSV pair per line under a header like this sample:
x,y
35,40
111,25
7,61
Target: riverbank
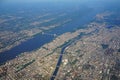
x,y
45,58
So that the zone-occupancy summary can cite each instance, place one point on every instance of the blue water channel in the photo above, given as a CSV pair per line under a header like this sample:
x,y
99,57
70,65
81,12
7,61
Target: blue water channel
x,y
40,39
59,62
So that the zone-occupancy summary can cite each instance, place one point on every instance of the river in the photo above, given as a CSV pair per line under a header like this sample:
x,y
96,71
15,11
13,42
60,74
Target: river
x,y
59,61
40,39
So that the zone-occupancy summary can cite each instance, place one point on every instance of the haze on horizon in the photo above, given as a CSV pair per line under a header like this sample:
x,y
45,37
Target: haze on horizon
x,y
28,1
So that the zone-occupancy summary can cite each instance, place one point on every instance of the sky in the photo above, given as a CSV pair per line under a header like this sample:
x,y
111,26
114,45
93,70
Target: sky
x,y
57,1
49,0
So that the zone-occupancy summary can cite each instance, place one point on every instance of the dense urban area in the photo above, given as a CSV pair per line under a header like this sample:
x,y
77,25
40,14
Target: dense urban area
x,y
90,53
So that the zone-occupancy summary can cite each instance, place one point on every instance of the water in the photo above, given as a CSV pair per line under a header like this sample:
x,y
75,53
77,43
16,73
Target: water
x,y
58,63
28,45
61,55
39,40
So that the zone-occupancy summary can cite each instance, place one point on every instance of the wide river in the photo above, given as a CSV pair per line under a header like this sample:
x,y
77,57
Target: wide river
x,y
40,39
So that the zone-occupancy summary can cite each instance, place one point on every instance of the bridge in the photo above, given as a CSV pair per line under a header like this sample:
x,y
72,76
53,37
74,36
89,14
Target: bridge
x,y
43,33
